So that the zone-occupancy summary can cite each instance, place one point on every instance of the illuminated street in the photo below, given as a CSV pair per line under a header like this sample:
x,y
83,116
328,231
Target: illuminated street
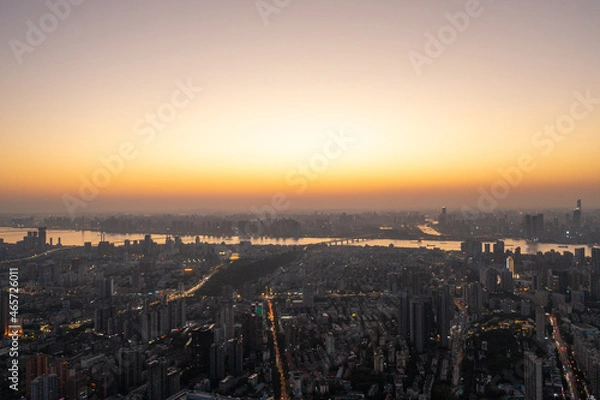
x,y
278,362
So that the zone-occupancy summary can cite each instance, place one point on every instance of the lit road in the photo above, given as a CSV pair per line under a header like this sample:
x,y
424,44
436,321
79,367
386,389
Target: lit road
x,y
193,289
33,257
457,332
563,353
278,363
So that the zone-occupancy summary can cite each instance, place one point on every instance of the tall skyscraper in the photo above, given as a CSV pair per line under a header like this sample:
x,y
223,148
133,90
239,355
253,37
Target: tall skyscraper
x,y
577,219
442,218
533,377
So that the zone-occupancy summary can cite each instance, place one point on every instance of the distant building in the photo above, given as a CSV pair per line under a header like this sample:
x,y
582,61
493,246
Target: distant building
x,y
510,264
42,237
577,214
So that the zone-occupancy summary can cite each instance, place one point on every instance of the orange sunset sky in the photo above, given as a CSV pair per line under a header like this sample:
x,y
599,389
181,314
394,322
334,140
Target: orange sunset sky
x,y
280,88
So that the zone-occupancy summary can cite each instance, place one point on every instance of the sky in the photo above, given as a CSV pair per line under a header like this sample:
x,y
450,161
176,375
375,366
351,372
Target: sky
x,y
239,105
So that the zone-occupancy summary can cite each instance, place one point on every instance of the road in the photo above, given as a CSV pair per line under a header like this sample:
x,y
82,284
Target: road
x,y
33,257
194,288
458,332
563,353
278,362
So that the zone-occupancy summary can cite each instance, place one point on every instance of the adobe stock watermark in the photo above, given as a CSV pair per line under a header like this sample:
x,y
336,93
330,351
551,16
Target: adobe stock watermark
x,y
37,34
267,8
436,45
147,128
338,142
544,139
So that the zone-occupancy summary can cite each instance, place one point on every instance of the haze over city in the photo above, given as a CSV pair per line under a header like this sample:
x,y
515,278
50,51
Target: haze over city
x,y
219,106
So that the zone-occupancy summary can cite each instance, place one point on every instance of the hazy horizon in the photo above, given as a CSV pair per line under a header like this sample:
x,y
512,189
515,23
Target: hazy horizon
x,y
201,105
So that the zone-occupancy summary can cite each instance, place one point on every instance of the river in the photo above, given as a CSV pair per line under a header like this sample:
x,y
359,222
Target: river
x,y
78,238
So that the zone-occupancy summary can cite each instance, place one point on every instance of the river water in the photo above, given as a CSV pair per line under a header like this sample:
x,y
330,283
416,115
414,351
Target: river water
x,y
78,238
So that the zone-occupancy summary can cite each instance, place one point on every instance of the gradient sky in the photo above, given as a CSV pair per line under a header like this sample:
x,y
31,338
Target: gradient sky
x,y
273,93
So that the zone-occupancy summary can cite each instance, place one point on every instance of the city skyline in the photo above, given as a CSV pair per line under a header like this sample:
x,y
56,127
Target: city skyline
x,y
226,107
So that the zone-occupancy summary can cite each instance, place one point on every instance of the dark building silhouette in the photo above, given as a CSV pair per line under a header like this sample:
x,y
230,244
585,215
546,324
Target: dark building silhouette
x,y
217,362
35,365
577,219
200,342
421,322
157,380
235,357
45,387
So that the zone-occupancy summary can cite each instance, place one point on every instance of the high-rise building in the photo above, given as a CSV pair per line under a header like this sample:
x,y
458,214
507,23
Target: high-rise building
x,y
45,387
577,214
226,319
130,368
510,264
308,295
173,381
499,250
235,356
507,280
201,340
474,298
404,314
35,365
157,379
533,377
442,218
472,248
330,344
580,256
105,288
421,322
596,259
217,362
540,324
60,367
42,237
252,333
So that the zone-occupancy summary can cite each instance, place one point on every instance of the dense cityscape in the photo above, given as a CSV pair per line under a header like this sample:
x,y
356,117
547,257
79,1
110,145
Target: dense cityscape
x,y
341,318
